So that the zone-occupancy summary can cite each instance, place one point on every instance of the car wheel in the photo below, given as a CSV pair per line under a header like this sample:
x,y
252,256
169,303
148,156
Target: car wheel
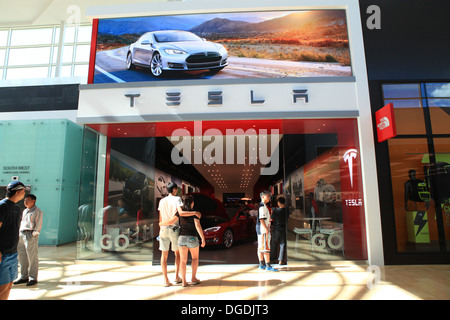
x,y
228,238
156,65
130,65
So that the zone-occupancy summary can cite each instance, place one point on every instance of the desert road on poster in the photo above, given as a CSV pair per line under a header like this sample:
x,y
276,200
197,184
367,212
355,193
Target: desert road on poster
x,y
111,67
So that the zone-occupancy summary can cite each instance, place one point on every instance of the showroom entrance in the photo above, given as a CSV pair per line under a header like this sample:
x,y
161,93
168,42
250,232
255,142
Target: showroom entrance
x,y
313,164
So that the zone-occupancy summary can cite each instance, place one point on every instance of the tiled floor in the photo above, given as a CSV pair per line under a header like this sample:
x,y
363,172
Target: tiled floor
x,y
63,278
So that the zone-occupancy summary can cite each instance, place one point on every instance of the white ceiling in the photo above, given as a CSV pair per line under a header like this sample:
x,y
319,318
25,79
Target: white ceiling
x,y
50,12
234,177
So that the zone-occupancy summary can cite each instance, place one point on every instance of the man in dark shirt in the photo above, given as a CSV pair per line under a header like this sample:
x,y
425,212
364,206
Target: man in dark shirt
x,y
10,218
278,240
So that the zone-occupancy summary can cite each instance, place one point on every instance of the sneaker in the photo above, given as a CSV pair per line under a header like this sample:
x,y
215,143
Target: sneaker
x,y
31,283
262,267
19,281
271,269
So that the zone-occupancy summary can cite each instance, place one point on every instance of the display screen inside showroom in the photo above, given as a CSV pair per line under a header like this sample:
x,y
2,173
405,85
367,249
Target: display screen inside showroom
x,y
313,164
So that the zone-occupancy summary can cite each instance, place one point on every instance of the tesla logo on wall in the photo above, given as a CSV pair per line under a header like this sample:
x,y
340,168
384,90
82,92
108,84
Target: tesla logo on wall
x,y
348,158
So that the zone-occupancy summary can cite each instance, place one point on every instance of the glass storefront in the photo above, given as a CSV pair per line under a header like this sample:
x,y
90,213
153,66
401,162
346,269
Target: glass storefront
x,y
314,164
420,166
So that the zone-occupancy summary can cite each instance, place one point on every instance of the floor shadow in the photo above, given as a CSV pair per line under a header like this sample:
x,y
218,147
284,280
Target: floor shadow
x,y
239,283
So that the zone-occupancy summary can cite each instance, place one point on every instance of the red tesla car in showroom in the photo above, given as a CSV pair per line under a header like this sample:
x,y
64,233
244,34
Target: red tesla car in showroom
x,y
221,228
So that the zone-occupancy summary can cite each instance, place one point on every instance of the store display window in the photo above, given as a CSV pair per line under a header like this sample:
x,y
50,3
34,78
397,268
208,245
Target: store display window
x,y
315,165
438,100
407,107
420,167
442,148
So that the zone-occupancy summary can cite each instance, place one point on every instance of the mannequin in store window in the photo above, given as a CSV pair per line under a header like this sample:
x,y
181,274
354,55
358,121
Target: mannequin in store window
x,y
441,176
416,191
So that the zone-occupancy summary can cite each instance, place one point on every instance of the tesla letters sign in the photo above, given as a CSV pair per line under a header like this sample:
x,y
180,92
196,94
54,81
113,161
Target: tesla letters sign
x,y
173,99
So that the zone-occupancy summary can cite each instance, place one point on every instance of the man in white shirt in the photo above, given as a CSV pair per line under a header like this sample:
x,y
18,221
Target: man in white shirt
x,y
168,235
30,227
263,232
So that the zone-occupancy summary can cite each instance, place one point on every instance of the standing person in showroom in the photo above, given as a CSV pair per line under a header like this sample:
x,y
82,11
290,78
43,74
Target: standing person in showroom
x,y
263,232
168,234
278,236
191,230
10,218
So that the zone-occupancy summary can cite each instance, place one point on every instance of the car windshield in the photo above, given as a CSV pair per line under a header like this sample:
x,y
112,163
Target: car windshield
x,y
172,36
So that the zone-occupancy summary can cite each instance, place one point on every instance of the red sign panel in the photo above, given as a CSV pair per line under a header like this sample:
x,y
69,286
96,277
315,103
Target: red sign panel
x,y
385,123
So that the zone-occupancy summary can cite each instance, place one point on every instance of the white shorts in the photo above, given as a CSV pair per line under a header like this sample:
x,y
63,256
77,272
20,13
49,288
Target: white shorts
x,y
168,236
264,242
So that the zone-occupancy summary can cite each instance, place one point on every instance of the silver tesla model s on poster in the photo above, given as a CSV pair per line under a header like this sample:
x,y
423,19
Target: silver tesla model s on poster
x,y
162,51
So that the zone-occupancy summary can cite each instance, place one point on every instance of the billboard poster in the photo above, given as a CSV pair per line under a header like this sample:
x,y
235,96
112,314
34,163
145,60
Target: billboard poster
x,y
241,45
